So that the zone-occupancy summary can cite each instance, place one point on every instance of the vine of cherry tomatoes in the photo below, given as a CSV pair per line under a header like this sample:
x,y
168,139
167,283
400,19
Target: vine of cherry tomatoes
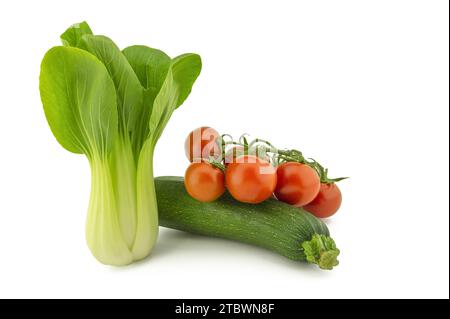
x,y
255,171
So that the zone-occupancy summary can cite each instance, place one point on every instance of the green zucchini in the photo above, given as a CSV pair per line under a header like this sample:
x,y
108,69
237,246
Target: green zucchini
x,y
289,231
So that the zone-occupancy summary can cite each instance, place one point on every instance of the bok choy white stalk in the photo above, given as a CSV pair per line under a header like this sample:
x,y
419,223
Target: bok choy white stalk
x,y
113,106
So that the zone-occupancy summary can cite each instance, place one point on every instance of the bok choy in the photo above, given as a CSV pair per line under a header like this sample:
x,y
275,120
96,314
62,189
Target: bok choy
x,y
113,106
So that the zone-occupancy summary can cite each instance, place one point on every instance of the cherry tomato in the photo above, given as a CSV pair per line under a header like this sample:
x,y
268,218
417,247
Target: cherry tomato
x,y
201,144
204,182
327,202
250,179
298,184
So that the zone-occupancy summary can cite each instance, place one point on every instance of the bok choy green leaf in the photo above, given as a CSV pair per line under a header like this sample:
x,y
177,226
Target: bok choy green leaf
x,y
113,106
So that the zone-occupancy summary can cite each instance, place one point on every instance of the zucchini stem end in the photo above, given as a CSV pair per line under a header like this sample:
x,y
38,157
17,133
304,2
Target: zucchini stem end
x,y
322,251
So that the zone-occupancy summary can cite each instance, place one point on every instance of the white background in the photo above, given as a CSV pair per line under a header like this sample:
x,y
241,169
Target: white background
x,y
360,85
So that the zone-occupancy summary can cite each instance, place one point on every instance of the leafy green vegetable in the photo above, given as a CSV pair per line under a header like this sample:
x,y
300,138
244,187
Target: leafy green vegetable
x,y
79,101
151,67
73,35
113,106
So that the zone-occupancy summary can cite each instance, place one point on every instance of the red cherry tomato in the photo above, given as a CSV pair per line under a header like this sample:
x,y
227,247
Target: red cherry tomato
x,y
250,179
204,182
327,202
201,144
298,184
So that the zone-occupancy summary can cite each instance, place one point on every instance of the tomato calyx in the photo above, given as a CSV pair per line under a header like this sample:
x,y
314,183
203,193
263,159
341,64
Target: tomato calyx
x,y
217,163
267,151
323,173
263,149
242,147
283,156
